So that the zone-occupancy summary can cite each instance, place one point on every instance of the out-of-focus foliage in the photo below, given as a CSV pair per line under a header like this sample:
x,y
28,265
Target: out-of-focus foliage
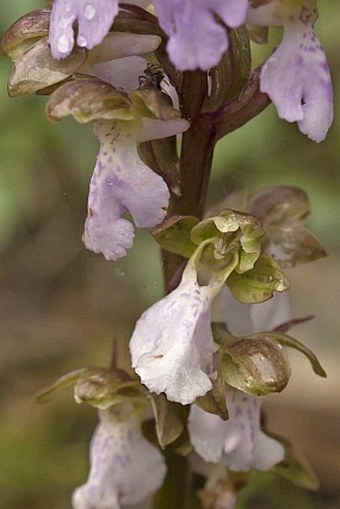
x,y
61,306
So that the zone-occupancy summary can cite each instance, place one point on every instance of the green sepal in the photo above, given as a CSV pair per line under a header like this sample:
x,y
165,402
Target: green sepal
x,y
259,283
168,425
25,32
44,395
232,230
174,235
88,98
286,340
36,69
283,211
227,221
255,366
102,388
294,467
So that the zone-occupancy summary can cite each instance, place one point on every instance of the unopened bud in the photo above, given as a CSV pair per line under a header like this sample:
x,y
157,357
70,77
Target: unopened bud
x,y
256,366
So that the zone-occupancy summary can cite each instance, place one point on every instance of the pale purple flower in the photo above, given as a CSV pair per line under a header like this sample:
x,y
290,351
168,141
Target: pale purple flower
x,y
172,344
121,182
238,442
296,76
125,467
197,39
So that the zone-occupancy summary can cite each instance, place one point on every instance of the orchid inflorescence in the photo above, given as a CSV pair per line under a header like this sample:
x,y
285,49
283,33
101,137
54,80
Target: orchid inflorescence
x,y
152,77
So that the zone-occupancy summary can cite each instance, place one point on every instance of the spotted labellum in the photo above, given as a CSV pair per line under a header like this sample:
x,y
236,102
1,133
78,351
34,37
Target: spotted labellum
x,y
120,457
176,360
296,76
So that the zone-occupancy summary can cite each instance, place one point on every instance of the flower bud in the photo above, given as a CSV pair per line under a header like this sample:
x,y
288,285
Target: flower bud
x,y
256,366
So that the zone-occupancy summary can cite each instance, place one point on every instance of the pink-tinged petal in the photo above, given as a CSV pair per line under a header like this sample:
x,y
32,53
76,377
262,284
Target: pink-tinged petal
x,y
172,345
121,182
94,17
196,38
125,467
238,442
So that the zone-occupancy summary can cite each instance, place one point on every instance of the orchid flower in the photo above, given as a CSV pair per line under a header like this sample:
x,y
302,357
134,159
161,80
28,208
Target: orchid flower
x,y
125,467
239,442
296,77
122,182
172,344
197,39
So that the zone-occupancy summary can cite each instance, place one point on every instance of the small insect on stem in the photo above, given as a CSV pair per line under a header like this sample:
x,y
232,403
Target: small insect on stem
x,y
152,77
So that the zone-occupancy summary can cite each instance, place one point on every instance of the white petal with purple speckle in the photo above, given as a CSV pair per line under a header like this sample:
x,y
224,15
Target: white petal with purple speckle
x,y
296,77
125,467
121,182
238,442
172,345
196,38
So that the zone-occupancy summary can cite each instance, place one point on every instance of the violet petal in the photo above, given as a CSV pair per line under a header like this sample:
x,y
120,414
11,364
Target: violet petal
x,y
94,17
197,39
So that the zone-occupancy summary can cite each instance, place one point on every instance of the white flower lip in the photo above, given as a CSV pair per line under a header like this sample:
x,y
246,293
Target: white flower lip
x,y
125,467
172,344
296,76
238,442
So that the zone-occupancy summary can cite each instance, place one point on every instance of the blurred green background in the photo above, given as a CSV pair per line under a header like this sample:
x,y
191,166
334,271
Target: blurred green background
x,y
61,306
